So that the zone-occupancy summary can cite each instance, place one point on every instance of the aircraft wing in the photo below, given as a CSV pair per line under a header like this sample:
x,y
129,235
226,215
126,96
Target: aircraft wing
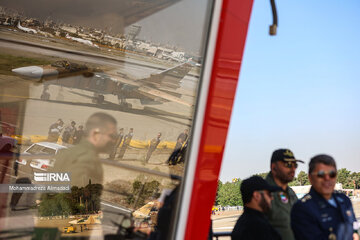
x,y
158,87
158,95
171,77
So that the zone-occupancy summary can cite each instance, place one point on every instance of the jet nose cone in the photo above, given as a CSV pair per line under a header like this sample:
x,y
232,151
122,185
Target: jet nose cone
x,y
32,71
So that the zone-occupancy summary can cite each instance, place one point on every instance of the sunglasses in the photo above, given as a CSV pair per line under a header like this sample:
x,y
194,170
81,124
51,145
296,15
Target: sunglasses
x,y
321,174
290,164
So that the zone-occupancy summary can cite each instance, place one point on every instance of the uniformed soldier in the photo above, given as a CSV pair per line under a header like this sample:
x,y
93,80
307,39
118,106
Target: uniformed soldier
x,y
181,139
117,143
283,166
82,160
252,224
126,142
153,145
55,130
323,213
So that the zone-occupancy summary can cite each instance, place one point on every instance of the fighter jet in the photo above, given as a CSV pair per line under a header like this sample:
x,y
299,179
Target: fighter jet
x,y
156,89
83,41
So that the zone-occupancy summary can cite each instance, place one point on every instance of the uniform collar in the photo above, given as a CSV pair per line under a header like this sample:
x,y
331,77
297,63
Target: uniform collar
x,y
87,145
321,201
253,211
270,179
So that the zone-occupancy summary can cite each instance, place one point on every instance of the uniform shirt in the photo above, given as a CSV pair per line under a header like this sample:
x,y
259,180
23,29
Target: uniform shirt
x,y
279,215
82,162
253,225
313,217
154,143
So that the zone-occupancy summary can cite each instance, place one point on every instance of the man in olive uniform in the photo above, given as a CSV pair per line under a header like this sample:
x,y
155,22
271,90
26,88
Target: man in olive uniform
x,y
283,166
153,145
323,213
82,160
126,143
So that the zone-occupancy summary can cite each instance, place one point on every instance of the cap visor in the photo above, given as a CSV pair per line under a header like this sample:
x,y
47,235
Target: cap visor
x,y
293,160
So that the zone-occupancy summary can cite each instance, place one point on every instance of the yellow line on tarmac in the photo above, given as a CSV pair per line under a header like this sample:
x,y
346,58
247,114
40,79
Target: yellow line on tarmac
x,y
14,96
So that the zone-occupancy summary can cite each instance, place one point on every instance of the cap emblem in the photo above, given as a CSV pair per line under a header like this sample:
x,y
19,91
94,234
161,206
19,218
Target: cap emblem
x,y
288,153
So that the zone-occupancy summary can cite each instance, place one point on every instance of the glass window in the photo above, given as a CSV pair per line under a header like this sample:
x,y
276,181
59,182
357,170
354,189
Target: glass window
x,y
113,84
35,149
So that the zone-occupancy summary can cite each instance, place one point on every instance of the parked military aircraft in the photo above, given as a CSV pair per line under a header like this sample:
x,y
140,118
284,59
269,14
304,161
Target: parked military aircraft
x,y
156,89
25,29
83,41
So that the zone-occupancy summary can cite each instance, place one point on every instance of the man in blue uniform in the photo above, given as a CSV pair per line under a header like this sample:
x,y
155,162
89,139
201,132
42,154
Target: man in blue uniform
x,y
323,213
256,196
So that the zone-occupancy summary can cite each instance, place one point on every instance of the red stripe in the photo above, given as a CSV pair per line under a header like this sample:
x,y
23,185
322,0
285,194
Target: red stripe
x,y
235,16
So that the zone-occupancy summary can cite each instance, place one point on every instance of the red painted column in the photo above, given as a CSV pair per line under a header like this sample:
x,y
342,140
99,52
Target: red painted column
x,y
233,26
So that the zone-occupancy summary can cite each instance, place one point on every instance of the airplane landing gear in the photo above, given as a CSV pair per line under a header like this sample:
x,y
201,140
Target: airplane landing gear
x,y
45,95
60,96
124,104
98,98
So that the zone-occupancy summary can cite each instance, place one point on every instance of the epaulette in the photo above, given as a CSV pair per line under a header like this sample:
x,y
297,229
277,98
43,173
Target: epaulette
x,y
338,192
306,198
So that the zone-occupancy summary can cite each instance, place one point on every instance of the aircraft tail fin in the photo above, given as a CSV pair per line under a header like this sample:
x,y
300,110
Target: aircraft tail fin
x,y
171,77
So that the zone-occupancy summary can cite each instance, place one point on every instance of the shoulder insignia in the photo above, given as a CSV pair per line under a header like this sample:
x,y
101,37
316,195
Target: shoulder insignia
x,y
339,199
306,198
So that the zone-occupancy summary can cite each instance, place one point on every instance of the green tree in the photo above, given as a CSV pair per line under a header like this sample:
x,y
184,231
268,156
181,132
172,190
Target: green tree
x,y
355,180
229,194
217,193
142,192
302,178
343,177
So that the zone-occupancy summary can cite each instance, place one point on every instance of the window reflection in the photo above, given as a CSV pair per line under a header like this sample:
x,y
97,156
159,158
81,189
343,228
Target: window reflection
x,y
96,112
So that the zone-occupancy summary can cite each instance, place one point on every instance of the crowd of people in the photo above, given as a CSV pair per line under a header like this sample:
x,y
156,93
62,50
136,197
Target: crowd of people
x,y
271,208
70,134
73,135
273,211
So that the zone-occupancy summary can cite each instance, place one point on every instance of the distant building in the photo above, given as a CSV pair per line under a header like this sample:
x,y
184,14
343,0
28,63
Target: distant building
x,y
69,29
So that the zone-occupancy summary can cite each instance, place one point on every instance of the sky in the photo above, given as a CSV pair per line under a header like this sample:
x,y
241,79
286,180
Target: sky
x,y
299,89
181,24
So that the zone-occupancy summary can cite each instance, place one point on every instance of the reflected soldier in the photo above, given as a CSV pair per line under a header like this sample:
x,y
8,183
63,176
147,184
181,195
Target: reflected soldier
x,y
82,160
126,143
69,133
117,143
153,145
79,133
55,130
323,213
181,139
